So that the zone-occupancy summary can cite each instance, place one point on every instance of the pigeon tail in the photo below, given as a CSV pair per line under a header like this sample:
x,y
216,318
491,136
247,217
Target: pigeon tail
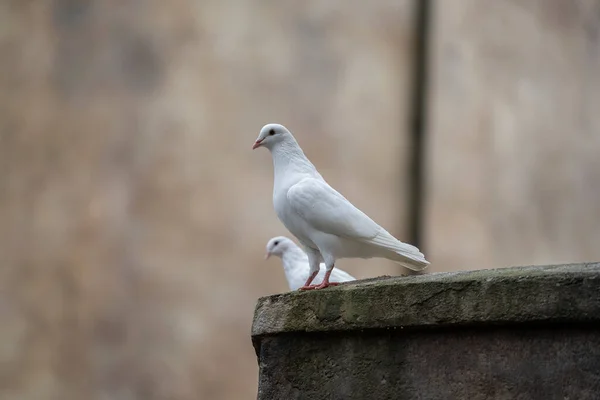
x,y
403,253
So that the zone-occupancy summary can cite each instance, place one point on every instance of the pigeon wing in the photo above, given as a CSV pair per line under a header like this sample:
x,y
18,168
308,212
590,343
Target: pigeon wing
x,y
328,211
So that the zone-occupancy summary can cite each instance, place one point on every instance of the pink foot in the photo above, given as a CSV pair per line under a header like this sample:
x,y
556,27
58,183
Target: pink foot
x,y
308,287
324,285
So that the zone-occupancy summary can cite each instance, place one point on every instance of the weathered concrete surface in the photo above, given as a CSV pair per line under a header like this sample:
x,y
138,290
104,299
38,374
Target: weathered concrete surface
x,y
518,333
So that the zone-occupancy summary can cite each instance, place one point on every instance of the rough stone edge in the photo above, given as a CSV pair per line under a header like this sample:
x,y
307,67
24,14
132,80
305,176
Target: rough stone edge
x,y
553,293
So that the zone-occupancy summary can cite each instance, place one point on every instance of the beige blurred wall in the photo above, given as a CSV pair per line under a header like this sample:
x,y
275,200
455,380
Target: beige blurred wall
x,y
133,214
514,142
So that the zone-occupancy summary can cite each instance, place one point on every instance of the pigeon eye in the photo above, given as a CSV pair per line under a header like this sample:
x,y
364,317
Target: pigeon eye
x,y
276,243
271,133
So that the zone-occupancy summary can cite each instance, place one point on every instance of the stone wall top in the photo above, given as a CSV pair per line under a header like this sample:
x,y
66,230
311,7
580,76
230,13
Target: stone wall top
x,y
536,294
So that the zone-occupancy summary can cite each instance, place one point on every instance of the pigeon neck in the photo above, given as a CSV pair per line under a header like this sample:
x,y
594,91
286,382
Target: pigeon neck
x,y
289,157
293,260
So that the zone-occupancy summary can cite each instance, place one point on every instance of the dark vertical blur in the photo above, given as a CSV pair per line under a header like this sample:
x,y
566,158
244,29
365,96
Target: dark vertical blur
x,y
418,123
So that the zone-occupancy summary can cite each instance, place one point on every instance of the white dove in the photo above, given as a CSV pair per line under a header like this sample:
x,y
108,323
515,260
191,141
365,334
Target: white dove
x,y
295,263
328,226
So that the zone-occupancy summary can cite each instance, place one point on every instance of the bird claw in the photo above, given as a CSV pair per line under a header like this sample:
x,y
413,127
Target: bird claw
x,y
326,285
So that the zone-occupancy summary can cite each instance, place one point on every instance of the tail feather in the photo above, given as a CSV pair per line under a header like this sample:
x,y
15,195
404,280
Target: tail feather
x,y
403,253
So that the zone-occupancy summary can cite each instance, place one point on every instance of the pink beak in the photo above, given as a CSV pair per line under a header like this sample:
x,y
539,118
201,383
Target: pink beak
x,y
256,144
267,255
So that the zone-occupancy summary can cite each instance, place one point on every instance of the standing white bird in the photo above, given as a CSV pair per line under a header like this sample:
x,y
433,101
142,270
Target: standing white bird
x,y
295,263
328,226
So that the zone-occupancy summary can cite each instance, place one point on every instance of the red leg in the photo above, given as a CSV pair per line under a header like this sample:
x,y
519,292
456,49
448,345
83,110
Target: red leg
x,y
307,285
326,282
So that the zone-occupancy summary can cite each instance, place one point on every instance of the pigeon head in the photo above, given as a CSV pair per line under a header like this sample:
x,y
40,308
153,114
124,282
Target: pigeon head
x,y
278,245
270,135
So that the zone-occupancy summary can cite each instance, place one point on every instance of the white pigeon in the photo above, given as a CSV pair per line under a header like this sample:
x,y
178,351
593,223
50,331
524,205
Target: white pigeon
x,y
295,263
328,226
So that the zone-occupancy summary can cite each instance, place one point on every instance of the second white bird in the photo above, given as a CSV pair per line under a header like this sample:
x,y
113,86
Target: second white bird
x,y
295,263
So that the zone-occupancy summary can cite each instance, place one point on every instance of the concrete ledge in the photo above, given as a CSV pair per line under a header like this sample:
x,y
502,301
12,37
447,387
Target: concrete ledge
x,y
513,333
559,293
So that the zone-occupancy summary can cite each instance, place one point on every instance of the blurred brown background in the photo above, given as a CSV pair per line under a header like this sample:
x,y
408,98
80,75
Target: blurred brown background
x,y
133,214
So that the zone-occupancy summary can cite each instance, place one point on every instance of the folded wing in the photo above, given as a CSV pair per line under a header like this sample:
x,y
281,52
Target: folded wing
x,y
328,211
